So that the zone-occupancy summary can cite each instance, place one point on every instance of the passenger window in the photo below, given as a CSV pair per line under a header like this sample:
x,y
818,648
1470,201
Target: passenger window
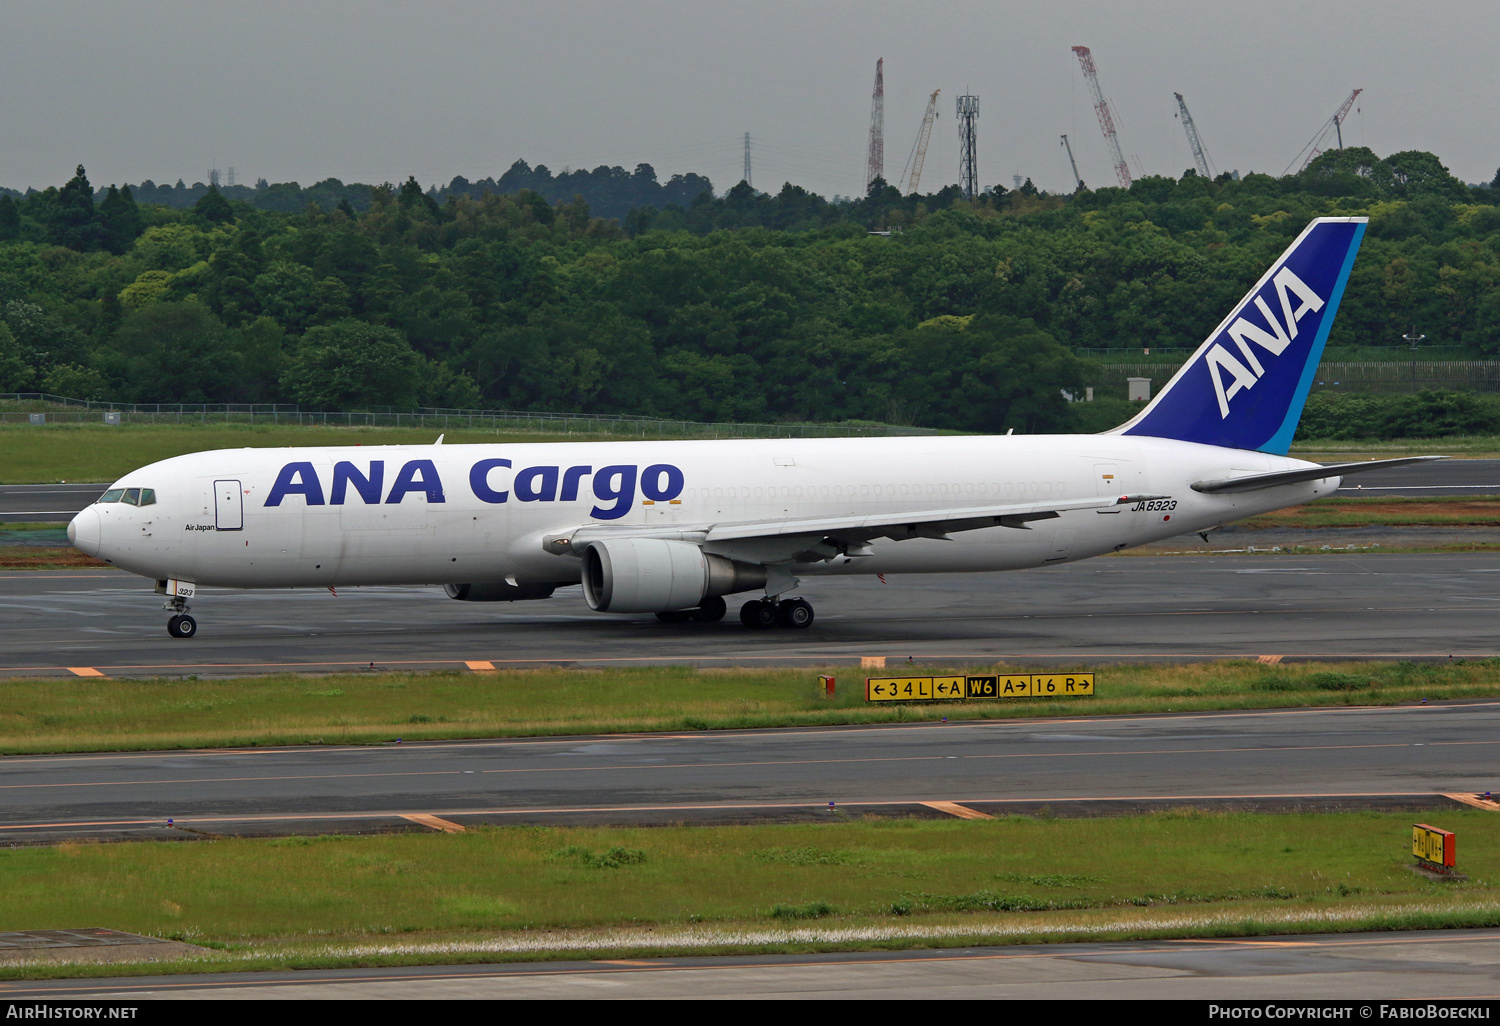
x,y
113,495
148,496
132,496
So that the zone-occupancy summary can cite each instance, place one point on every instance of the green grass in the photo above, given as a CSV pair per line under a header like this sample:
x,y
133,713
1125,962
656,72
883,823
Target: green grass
x,y
92,714
507,892
1472,447
1437,511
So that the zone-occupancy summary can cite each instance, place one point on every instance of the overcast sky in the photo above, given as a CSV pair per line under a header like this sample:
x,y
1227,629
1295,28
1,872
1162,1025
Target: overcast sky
x,y
300,90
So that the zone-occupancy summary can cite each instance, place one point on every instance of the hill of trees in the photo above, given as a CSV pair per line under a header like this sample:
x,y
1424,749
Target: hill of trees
x,y
514,292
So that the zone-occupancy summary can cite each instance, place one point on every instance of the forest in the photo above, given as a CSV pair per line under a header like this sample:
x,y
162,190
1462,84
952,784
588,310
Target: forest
x,y
608,291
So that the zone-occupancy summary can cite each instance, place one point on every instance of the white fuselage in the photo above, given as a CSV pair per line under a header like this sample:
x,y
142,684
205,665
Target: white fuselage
x,y
211,523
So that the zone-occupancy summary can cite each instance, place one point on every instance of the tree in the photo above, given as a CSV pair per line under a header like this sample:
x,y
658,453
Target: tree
x,y
171,352
119,220
74,222
10,219
351,364
213,207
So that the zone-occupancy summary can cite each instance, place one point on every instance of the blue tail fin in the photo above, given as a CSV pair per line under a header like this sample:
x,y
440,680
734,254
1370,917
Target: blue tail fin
x,y
1246,385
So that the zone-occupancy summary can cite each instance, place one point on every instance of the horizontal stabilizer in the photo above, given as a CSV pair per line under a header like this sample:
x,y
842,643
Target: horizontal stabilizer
x,y
1254,482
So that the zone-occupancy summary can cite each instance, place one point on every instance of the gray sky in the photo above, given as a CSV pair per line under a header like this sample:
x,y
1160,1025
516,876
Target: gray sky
x,y
373,91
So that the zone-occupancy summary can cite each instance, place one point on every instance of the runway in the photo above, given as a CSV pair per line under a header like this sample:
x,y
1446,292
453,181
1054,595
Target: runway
x,y
1365,971
1440,755
1112,609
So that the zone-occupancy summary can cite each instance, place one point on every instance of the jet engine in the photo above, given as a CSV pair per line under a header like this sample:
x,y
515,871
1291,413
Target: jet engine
x,y
652,575
498,591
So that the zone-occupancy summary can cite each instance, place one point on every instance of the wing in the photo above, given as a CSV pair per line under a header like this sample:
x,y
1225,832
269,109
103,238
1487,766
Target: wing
x,y
836,534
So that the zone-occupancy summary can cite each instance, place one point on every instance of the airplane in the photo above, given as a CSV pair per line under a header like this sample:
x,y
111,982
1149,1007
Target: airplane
x,y
672,527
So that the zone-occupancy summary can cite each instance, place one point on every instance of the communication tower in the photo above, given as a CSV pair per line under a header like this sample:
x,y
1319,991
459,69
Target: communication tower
x,y
213,178
1105,115
747,161
875,165
229,176
968,168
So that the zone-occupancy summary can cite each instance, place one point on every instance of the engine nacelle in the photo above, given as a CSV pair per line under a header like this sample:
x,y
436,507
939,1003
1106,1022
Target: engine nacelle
x,y
498,591
652,575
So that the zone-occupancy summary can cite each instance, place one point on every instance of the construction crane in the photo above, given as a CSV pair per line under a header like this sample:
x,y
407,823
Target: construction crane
x,y
875,165
1199,153
911,175
1077,181
1336,124
1106,116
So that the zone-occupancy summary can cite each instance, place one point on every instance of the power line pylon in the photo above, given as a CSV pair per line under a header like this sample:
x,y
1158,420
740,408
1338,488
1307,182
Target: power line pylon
x,y
1106,116
1199,153
919,149
968,168
875,165
1077,181
747,161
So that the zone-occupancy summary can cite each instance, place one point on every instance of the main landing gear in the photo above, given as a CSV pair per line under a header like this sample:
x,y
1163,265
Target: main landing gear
x,y
762,614
180,625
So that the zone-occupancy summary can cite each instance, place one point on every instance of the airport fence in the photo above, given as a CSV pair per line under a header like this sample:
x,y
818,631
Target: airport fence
x,y
41,409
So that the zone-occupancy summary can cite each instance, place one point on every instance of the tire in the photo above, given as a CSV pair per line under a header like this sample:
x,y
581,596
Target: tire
x,y
183,626
758,615
711,611
675,616
796,613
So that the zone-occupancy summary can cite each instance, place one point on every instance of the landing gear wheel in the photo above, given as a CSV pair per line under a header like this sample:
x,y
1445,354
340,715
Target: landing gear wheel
x,y
675,616
183,626
795,613
710,611
758,615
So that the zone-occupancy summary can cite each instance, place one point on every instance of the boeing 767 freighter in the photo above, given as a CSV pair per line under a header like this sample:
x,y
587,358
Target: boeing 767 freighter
x,y
672,527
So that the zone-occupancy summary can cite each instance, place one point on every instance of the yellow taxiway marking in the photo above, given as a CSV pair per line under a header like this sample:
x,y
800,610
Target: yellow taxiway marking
x,y
480,665
954,809
1489,805
447,826
84,671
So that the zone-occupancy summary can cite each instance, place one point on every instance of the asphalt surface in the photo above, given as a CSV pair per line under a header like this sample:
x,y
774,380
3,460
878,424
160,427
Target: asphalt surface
x,y
56,503
1410,757
46,503
1128,608
1366,972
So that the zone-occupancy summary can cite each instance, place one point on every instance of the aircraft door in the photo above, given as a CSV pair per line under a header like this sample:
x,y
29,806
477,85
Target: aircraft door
x,y
228,506
1107,479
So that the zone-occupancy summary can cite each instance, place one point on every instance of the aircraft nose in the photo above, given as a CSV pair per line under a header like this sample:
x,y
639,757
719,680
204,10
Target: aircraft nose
x,y
84,532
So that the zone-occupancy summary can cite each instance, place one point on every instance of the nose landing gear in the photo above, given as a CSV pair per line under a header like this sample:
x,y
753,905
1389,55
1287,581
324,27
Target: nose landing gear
x,y
762,614
180,625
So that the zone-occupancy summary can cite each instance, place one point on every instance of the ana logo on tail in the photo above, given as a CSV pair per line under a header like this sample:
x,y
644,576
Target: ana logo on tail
x,y
1245,386
1276,340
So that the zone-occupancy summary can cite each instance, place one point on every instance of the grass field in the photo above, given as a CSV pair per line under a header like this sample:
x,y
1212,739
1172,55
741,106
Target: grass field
x,y
93,714
521,892
1440,511
94,452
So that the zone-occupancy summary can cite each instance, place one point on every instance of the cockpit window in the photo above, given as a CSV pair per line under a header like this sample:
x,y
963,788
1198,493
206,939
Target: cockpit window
x,y
134,496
